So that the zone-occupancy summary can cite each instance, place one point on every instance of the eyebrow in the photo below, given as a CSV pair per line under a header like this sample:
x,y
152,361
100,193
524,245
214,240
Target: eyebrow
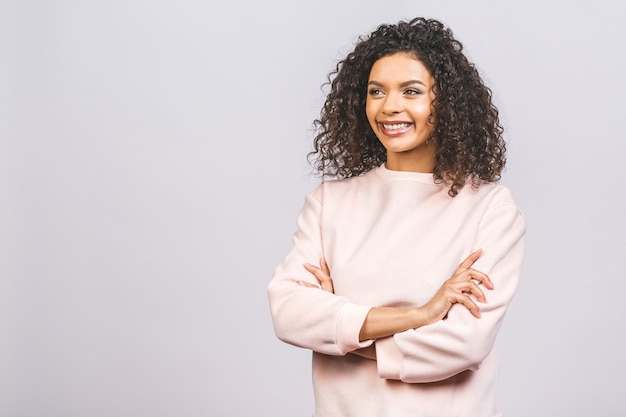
x,y
404,84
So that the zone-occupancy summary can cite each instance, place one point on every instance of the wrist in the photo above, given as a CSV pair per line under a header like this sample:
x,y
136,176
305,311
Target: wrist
x,y
419,317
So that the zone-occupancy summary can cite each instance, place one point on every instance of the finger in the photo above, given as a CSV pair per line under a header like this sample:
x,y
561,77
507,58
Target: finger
x,y
480,277
469,261
472,274
305,283
466,300
468,288
326,271
324,266
316,271
322,277
475,290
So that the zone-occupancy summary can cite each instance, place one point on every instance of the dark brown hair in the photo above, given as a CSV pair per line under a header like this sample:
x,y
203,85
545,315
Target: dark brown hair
x,y
466,130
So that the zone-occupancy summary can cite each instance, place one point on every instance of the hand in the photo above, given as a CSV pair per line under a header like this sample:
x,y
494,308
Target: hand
x,y
322,274
459,289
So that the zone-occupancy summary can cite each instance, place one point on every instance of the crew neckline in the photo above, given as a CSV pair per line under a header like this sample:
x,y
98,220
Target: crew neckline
x,y
391,175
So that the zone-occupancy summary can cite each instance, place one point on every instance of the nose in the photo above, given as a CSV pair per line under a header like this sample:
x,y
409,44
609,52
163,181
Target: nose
x,y
392,104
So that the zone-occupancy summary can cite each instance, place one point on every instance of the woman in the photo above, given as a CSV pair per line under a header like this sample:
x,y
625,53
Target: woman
x,y
419,250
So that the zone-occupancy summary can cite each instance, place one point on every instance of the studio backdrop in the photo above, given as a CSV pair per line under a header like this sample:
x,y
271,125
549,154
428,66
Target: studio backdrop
x,y
153,163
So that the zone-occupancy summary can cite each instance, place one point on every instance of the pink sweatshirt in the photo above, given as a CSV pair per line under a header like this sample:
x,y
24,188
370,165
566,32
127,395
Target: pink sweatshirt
x,y
392,238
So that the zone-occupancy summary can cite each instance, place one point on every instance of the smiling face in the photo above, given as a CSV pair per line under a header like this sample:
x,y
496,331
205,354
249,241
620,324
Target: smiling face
x,y
399,107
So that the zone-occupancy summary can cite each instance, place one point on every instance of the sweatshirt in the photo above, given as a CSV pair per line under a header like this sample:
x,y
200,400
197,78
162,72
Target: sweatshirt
x,y
391,238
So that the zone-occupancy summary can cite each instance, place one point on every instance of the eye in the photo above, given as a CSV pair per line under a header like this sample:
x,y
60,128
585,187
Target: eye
x,y
375,92
412,92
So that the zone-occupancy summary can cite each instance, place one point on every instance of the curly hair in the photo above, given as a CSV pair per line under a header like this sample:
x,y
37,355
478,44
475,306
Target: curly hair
x,y
467,131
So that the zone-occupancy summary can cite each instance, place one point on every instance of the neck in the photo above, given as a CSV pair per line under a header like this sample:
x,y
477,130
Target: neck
x,y
410,163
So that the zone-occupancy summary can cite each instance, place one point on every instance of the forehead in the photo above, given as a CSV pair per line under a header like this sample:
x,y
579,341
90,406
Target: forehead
x,y
400,67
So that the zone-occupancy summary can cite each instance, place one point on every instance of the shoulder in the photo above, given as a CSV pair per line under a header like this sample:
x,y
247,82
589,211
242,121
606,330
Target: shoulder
x,y
335,189
500,206
489,199
494,194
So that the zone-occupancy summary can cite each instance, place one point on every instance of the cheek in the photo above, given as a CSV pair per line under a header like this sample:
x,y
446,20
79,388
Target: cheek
x,y
422,112
370,112
368,107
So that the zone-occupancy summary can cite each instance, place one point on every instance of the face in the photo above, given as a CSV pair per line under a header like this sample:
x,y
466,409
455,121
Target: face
x,y
399,107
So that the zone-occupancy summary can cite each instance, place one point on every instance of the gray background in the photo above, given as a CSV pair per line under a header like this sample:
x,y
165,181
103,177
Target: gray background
x,y
152,165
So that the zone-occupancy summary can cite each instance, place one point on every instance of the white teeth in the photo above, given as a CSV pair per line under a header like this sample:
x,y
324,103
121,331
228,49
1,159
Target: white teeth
x,y
395,126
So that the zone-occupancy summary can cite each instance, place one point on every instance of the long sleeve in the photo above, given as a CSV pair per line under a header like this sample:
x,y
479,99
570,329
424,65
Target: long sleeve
x,y
310,317
461,342
391,238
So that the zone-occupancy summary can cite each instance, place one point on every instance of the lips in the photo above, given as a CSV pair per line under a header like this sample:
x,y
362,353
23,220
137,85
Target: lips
x,y
394,128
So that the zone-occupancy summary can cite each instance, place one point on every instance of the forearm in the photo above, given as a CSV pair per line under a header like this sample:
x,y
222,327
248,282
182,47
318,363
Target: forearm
x,y
461,288
387,321
315,319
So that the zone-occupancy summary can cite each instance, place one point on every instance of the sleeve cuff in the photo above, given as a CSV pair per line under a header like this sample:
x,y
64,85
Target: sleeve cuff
x,y
389,359
349,326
